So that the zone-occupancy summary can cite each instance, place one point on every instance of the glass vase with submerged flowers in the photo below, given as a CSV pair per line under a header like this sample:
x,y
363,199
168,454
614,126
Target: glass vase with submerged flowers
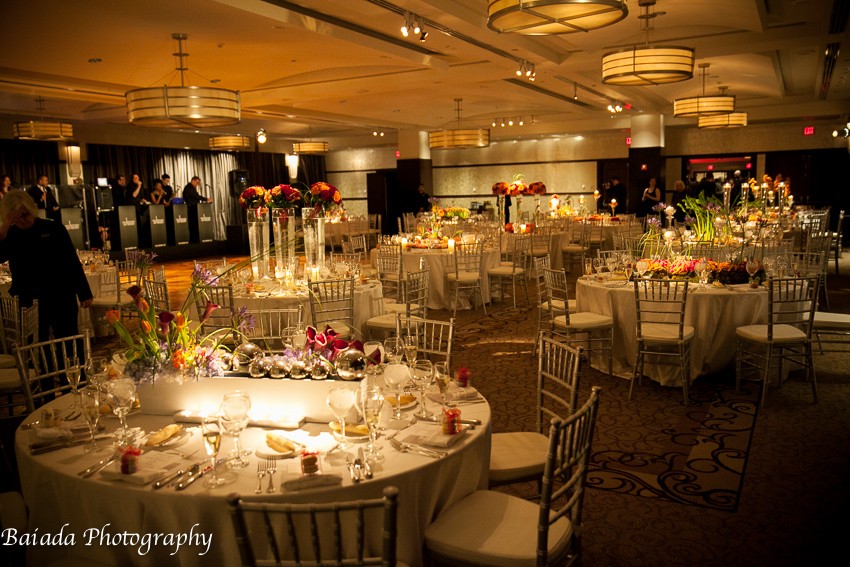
x,y
318,201
255,202
284,199
168,346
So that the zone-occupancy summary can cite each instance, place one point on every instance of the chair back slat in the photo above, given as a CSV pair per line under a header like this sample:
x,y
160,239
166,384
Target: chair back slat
x,y
558,373
332,301
42,369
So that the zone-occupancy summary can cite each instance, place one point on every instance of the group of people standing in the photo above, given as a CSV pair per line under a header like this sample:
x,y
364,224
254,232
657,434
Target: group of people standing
x,y
162,193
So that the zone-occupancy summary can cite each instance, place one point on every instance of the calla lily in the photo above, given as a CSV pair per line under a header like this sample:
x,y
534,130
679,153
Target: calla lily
x,y
330,333
320,342
311,334
375,356
356,345
338,346
134,291
165,319
113,316
208,310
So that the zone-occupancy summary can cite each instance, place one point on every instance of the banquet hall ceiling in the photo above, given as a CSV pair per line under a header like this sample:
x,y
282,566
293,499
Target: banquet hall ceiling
x,y
339,69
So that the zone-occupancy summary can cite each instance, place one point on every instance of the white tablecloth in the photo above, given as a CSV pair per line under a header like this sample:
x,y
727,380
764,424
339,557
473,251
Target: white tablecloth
x,y
367,302
440,264
56,496
714,313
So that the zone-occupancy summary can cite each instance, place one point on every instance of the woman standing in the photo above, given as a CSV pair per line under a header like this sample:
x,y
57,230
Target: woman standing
x,y
44,266
6,186
651,197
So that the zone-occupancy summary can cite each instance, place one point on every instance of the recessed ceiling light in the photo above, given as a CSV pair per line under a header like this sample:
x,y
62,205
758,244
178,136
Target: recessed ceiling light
x,y
95,60
215,81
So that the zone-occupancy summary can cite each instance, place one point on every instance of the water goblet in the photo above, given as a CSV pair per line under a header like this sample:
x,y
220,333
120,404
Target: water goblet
x,y
369,349
423,375
752,266
370,404
598,264
396,376
72,371
781,266
90,408
394,349
411,348
611,263
699,268
769,265
341,400
443,377
96,369
211,430
122,395
234,418
642,266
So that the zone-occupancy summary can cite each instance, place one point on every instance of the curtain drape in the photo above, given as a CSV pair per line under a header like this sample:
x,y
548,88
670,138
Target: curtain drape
x,y
25,160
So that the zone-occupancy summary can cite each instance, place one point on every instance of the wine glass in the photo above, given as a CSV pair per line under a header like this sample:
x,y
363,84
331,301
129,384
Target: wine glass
x,y
411,348
611,262
369,349
234,418
588,267
699,268
598,264
72,371
96,368
769,265
752,266
642,266
394,349
341,399
443,377
211,432
396,376
781,266
122,395
423,375
90,408
370,404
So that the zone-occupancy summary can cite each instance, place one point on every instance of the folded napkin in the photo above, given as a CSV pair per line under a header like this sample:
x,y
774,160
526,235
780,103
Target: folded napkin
x,y
309,481
458,393
429,435
151,467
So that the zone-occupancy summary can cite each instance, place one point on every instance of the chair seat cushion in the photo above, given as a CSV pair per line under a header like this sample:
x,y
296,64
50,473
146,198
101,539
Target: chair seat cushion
x,y
7,361
516,455
400,307
573,248
781,334
584,320
824,320
494,529
505,271
558,304
658,332
9,379
386,321
465,277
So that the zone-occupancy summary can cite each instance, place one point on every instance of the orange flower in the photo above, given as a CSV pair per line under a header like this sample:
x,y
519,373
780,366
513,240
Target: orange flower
x,y
143,306
113,316
180,320
146,327
337,197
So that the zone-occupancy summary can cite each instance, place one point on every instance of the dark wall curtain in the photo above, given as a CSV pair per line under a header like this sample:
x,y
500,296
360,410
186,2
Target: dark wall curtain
x,y
25,160
312,169
266,170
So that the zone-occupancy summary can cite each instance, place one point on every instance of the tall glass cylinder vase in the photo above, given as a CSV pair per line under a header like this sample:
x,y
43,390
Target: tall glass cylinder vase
x,y
258,239
313,227
283,226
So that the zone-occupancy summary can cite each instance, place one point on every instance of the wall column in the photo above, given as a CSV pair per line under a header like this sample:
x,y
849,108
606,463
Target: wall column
x,y
645,159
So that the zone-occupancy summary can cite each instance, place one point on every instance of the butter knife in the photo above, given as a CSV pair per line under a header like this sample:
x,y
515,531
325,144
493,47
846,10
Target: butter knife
x,y
99,465
169,478
183,484
55,446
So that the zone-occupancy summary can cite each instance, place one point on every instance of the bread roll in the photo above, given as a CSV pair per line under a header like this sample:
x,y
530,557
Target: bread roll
x,y
163,435
279,443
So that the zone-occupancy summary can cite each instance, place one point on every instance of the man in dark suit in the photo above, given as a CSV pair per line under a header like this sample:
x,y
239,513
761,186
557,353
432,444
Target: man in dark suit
x,y
167,189
44,198
191,195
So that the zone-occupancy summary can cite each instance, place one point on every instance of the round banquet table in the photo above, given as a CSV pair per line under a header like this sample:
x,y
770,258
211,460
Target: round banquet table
x,y
440,263
714,313
56,496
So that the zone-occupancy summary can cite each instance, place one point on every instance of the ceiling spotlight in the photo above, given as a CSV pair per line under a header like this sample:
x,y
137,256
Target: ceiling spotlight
x,y
423,36
844,132
404,27
374,132
521,123
575,91
494,125
503,122
261,136
510,122
416,28
521,69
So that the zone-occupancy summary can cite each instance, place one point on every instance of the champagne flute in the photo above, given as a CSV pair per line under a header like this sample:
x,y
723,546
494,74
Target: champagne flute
x,y
96,368
394,349
423,375
588,267
122,395
443,377
396,376
371,403
72,371
411,348
234,418
341,399
90,408
211,432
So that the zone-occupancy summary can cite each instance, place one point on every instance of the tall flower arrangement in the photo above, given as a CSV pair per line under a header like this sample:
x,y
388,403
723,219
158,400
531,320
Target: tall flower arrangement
x,y
284,197
254,197
322,196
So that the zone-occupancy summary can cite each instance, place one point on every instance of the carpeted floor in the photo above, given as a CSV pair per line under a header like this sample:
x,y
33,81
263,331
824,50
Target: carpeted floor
x,y
720,482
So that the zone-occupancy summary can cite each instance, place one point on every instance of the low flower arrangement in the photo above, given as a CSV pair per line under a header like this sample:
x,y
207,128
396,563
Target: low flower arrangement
x,y
729,273
455,213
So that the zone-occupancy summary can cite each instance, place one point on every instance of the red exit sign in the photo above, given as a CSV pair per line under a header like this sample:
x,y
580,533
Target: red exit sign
x,y
808,131
629,141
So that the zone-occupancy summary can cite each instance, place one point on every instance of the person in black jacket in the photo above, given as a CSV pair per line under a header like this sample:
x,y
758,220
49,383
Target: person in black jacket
x,y
191,195
44,198
44,266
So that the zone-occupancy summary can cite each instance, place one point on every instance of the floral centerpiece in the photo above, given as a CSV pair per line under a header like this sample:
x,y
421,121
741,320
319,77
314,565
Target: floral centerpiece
x,y
284,197
254,197
322,196
536,188
455,213
729,273
168,345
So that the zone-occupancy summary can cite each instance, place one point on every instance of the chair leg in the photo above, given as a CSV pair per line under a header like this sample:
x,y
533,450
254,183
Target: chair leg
x,y
811,371
766,376
636,373
684,356
738,366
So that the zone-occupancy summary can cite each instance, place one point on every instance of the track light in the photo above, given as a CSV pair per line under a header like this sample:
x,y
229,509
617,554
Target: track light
x,y
521,123
416,28
494,123
510,122
261,136
521,69
406,25
503,122
423,36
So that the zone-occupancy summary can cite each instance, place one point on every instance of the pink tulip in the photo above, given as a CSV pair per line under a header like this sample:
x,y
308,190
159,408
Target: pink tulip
x,y
208,310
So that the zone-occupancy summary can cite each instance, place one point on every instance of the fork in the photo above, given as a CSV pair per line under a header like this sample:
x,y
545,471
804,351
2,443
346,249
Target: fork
x,y
271,468
261,472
